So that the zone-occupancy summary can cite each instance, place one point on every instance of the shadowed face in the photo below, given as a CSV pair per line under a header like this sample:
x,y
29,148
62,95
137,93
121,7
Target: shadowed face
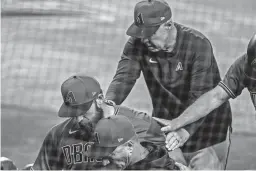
x,y
162,37
125,155
86,123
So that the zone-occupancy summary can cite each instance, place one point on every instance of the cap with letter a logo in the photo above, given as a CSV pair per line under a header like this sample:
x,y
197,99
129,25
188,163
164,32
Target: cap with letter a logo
x,y
78,93
148,16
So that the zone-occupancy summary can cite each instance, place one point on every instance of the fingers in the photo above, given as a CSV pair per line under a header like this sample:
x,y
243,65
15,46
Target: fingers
x,y
172,141
172,134
181,166
172,146
166,129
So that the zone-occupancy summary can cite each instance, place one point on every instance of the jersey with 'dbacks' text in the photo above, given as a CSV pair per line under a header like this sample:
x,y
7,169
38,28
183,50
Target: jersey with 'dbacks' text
x,y
62,149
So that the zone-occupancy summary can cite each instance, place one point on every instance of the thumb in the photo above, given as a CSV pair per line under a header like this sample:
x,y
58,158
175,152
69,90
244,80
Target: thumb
x,y
181,166
167,129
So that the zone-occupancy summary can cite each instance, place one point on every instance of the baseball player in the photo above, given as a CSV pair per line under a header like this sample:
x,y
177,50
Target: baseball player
x,y
66,144
241,75
120,148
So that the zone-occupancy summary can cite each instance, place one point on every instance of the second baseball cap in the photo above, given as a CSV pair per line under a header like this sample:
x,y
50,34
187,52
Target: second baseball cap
x,y
110,133
148,16
78,93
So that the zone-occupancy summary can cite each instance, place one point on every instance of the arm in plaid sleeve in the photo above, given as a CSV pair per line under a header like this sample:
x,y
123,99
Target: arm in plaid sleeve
x,y
128,71
203,76
46,159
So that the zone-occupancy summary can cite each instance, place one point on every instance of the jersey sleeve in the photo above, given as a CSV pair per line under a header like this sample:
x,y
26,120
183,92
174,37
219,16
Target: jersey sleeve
x,y
47,157
147,129
233,82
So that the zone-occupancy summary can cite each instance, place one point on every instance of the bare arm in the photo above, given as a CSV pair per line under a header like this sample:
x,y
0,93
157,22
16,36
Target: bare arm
x,y
199,109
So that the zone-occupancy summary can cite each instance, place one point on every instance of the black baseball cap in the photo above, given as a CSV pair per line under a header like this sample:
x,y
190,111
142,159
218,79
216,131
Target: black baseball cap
x,y
111,132
78,93
148,16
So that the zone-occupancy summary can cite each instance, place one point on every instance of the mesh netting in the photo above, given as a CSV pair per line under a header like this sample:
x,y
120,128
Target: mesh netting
x,y
44,42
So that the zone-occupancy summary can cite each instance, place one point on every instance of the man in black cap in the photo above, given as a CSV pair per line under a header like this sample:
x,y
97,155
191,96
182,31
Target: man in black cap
x,y
120,147
241,75
179,66
64,146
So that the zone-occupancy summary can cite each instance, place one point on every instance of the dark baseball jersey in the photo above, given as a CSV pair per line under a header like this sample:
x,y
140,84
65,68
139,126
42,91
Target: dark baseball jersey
x,y
147,129
63,150
235,80
175,80
150,136
149,132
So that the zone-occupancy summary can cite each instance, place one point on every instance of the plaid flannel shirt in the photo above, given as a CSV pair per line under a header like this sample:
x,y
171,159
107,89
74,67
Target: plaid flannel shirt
x,y
175,80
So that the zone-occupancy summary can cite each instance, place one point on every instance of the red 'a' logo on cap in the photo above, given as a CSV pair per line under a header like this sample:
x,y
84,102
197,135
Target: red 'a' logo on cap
x,y
70,98
139,19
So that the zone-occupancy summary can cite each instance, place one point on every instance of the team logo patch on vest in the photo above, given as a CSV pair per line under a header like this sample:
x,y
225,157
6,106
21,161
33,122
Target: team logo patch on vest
x,y
70,98
139,19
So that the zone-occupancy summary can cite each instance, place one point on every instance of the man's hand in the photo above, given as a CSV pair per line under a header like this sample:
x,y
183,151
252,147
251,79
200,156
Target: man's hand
x,y
181,166
168,125
176,139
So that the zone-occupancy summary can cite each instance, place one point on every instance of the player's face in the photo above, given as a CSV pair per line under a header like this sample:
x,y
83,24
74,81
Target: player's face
x,y
160,38
126,154
121,157
86,123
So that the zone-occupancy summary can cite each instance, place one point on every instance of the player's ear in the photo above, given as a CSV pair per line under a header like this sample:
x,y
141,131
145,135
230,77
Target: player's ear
x,y
168,24
101,96
100,100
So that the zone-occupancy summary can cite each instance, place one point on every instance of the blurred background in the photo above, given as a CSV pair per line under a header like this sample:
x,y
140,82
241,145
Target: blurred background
x,y
43,42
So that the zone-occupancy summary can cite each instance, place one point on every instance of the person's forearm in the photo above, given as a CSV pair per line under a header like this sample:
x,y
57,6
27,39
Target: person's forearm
x,y
200,108
118,91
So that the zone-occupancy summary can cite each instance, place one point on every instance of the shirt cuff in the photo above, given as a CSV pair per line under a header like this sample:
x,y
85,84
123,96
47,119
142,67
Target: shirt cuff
x,y
227,89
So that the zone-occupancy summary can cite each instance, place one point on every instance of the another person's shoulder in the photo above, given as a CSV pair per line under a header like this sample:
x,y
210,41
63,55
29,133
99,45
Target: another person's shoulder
x,y
135,44
234,80
241,61
191,32
197,38
237,67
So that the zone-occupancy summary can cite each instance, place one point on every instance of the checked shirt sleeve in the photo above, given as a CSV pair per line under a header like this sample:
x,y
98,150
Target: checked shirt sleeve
x,y
128,71
233,80
204,76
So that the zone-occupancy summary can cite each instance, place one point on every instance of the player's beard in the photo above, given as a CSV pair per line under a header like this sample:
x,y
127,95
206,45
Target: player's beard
x,y
87,125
